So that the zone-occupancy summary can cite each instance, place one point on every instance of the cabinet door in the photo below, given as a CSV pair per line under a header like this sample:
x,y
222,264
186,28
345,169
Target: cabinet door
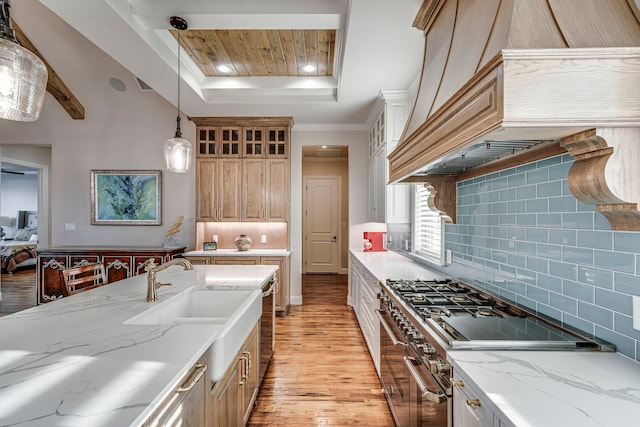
x,y
278,142
199,260
117,267
381,186
225,409
206,189
253,142
372,189
253,190
49,281
277,190
282,296
468,410
207,141
251,380
238,260
229,183
186,406
230,141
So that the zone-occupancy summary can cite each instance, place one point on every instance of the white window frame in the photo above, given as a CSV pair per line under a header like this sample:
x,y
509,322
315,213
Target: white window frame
x,y
428,226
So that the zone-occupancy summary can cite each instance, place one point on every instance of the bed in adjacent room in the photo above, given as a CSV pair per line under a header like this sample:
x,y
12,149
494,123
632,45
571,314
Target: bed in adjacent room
x,y
18,244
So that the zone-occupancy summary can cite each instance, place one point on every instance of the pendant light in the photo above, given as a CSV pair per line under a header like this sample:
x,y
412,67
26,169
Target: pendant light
x,y
177,150
23,76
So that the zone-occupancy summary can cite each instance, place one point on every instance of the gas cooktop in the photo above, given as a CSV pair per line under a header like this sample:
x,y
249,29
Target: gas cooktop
x,y
469,318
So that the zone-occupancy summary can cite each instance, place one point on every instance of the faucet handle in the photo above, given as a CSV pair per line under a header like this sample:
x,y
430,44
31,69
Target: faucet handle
x,y
151,264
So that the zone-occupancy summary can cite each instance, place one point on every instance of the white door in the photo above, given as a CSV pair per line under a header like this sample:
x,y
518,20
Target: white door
x,y
322,214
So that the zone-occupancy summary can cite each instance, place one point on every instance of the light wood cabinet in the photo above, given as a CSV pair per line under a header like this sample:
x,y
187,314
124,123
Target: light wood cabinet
x,y
242,169
277,194
238,260
253,190
187,404
233,396
218,189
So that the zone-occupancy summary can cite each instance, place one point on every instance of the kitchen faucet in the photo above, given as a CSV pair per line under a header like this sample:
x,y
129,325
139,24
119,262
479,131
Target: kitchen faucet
x,y
152,269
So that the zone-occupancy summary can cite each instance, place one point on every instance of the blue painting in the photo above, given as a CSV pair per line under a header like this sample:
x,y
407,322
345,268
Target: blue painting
x,y
125,197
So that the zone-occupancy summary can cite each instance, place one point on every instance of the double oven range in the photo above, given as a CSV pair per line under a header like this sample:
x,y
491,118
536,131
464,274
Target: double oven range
x,y
421,320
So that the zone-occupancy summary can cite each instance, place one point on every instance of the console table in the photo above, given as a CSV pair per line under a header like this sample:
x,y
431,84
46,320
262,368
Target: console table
x,y
119,263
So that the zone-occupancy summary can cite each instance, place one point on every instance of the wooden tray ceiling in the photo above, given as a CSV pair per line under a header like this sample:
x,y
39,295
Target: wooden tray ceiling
x,y
259,53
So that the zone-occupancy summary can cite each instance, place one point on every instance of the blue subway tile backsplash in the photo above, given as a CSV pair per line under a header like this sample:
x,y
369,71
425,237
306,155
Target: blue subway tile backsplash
x,y
521,234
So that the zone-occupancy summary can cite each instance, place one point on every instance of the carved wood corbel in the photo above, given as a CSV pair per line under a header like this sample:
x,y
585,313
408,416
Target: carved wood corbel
x,y
604,175
443,194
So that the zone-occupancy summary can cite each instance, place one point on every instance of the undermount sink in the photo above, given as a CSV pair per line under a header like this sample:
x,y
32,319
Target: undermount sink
x,y
235,310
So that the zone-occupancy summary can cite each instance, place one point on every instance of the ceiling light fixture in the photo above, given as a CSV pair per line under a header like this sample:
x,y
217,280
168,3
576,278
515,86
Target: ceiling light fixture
x,y
224,69
309,68
23,76
177,150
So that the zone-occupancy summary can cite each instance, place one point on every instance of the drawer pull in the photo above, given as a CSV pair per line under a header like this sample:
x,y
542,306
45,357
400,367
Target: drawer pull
x,y
474,403
201,370
457,383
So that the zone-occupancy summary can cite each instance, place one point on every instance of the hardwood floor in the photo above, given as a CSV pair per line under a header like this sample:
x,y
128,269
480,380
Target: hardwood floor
x,y
321,373
18,290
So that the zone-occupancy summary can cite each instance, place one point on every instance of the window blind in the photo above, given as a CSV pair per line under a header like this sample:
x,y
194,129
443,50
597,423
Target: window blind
x,y
428,227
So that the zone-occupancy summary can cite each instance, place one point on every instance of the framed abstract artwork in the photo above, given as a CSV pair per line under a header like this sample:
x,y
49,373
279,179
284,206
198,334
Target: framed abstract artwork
x,y
126,197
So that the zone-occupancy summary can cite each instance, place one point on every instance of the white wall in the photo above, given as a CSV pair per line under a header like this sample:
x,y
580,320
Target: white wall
x,y
121,131
126,130
357,141
19,192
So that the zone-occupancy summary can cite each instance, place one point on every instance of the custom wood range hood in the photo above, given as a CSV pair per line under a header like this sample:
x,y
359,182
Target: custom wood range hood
x,y
529,79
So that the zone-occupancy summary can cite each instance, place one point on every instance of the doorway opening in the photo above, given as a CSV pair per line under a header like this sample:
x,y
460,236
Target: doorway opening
x,y
24,208
325,209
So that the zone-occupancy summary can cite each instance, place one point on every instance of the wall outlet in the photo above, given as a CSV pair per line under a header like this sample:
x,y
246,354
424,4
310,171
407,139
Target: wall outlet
x,y
70,226
448,257
215,238
406,245
636,313
263,238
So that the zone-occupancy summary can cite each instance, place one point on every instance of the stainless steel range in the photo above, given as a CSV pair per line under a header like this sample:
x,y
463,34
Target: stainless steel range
x,y
422,320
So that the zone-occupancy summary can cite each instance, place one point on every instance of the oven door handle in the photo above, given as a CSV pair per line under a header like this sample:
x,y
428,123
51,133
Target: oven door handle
x,y
432,396
396,342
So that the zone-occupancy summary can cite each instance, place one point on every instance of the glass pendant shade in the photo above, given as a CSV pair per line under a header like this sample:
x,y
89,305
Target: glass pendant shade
x,y
177,154
177,150
23,82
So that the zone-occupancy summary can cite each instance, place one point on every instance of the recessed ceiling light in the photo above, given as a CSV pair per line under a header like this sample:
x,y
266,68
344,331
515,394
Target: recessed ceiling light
x,y
224,69
309,68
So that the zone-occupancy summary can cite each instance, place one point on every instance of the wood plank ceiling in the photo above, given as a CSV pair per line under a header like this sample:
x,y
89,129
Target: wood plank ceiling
x,y
259,53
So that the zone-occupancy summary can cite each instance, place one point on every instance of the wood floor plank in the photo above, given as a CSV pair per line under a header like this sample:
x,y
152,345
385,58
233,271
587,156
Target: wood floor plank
x,y
321,374
18,290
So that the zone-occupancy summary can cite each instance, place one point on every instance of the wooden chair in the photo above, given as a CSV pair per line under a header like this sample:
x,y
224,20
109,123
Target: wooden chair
x,y
79,279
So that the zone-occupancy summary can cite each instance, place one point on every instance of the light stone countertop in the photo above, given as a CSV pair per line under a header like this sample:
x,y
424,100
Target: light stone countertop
x,y
555,388
536,388
235,252
73,362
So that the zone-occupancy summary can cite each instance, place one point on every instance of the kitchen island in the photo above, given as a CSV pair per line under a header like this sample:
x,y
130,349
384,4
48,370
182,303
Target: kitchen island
x,y
75,362
525,388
